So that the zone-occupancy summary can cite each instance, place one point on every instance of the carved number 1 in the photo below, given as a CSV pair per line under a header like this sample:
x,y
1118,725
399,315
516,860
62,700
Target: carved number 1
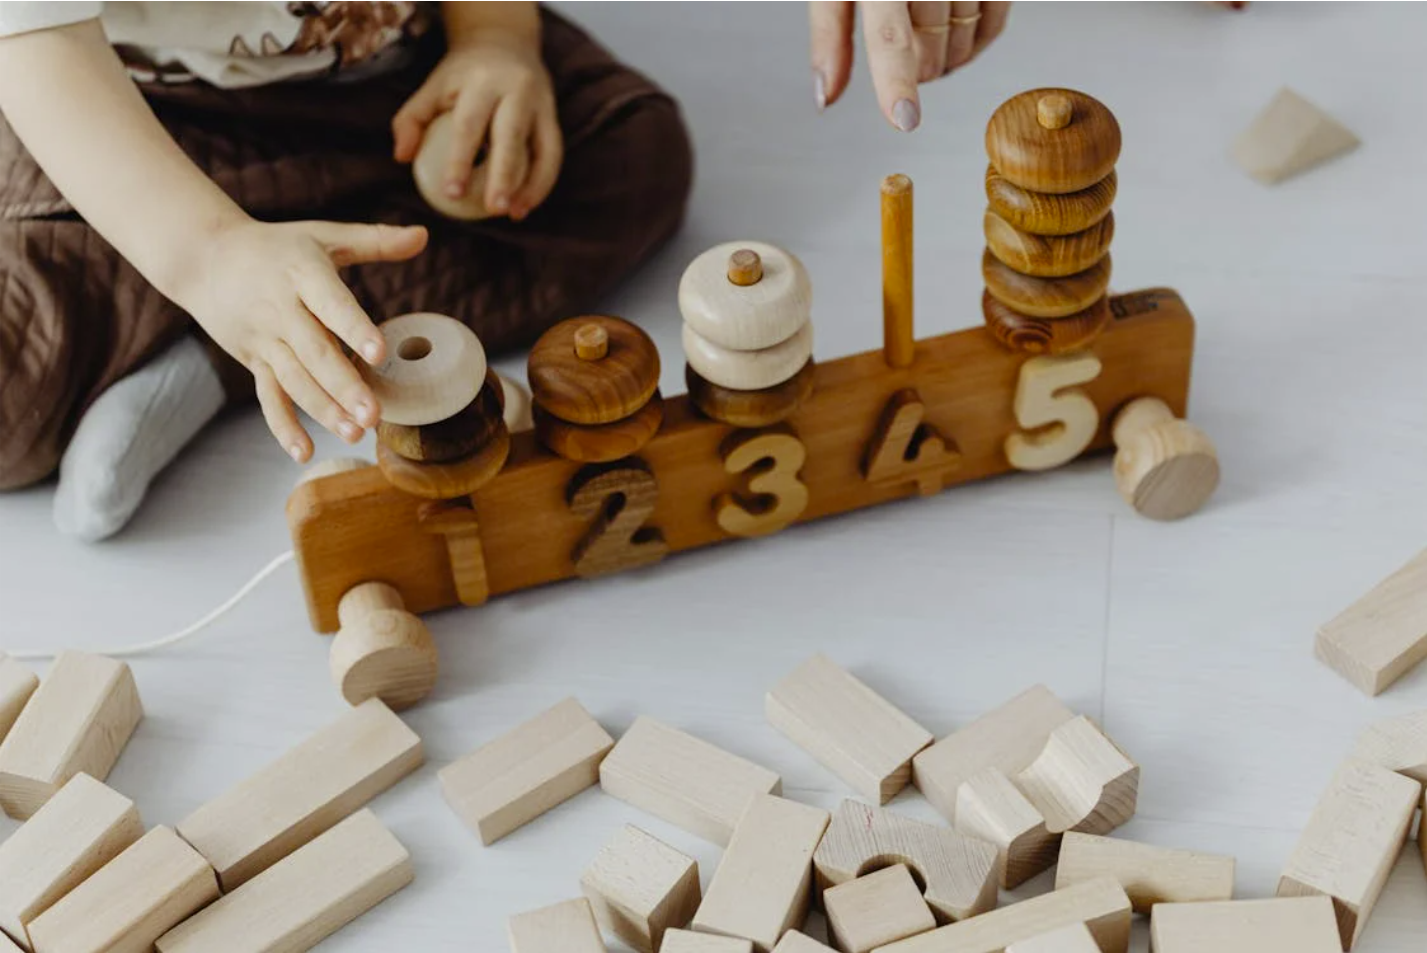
x,y
1046,397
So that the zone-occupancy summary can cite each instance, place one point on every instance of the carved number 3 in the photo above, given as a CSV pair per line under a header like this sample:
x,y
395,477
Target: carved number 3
x,y
779,497
619,501
1045,398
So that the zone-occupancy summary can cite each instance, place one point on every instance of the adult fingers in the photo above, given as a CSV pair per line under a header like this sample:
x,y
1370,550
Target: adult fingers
x,y
319,354
471,119
546,153
930,24
308,394
277,411
509,159
892,58
966,19
831,37
993,21
408,126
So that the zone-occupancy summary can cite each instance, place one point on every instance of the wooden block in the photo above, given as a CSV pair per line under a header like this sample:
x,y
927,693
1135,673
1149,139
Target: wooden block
x,y
156,883
303,793
435,367
1293,925
850,729
748,370
745,295
79,830
303,898
1398,744
639,887
876,909
567,927
959,872
382,651
795,942
687,941
1289,137
1099,904
1376,640
593,390
991,807
536,766
17,684
1008,738
683,780
1070,152
1075,938
1165,467
78,720
762,886
1351,842
1149,874
1082,781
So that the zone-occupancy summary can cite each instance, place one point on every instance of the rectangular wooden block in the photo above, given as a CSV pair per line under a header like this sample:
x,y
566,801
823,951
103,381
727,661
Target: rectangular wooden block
x,y
1149,874
1099,904
683,780
78,720
1352,842
850,729
527,771
1072,939
7,945
1398,744
640,887
876,909
763,884
78,831
1377,639
1008,738
303,898
17,684
795,942
303,793
131,901
687,941
567,927
1291,925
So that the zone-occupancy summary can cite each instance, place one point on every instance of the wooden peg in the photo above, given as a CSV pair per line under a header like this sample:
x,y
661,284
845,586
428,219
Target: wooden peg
x,y
429,171
720,307
1290,137
618,501
1382,636
750,409
1290,925
1041,213
640,887
775,495
581,391
1053,336
1048,256
451,439
17,684
1075,150
457,523
748,370
435,366
1398,744
904,448
1045,297
876,909
1166,468
382,651
600,443
591,342
1150,875
898,329
1054,110
567,927
688,941
446,481
1075,938
745,267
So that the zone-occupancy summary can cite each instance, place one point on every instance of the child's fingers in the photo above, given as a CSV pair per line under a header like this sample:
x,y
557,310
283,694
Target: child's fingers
x,y
308,394
546,154
277,411
348,243
409,124
315,348
509,159
333,304
892,59
471,118
993,21
831,35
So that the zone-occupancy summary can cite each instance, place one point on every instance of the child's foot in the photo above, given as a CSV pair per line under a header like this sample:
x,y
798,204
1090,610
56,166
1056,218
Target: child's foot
x,y
131,433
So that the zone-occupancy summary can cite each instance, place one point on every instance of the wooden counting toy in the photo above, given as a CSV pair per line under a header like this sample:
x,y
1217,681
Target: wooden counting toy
x,y
615,477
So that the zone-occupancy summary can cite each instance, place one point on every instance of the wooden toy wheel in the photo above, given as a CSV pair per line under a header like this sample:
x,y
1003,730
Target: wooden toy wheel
x,y
435,366
1166,468
382,651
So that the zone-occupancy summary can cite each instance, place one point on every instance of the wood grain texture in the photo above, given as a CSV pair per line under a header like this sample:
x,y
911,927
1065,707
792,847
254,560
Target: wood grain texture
x,y
434,368
1081,781
17,684
639,887
1020,332
304,793
567,927
77,721
354,527
1351,843
445,481
1045,297
762,885
1058,420
773,495
152,886
683,780
617,500
1048,256
78,831
959,872
688,941
1099,904
456,522
533,768
1289,137
1150,875
876,909
1068,159
429,172
795,942
850,729
904,448
748,370
898,325
593,392
382,651
600,443
1075,938
1383,635
1296,925
303,898
1166,468
1042,213
1398,744
746,317
451,439
991,807
750,408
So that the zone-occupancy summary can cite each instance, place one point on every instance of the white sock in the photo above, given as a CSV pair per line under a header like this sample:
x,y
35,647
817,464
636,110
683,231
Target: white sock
x,y
129,434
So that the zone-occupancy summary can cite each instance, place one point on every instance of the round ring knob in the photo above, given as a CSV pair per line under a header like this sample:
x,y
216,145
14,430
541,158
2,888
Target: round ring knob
x,y
435,366
593,390
720,299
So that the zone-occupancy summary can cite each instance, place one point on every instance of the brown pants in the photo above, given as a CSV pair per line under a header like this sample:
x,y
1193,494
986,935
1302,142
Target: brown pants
x,y
75,317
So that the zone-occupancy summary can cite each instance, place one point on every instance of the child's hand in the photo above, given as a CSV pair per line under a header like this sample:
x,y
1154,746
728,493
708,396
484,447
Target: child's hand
x,y
500,95
269,294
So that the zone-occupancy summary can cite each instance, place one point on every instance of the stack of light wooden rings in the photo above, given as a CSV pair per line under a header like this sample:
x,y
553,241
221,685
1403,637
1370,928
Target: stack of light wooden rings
x,y
748,333
1048,228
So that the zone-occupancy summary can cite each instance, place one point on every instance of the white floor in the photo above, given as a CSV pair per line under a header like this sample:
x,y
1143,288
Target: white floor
x,y
1193,642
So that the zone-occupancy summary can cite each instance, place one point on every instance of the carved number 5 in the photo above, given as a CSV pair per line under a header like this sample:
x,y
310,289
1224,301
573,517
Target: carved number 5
x,y
1045,398
779,496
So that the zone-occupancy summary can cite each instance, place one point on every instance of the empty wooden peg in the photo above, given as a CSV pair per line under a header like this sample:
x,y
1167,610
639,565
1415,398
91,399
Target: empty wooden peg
x,y
382,651
898,334
1166,468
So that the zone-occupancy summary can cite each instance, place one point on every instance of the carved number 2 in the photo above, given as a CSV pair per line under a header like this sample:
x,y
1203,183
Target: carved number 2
x,y
619,501
1045,397
779,496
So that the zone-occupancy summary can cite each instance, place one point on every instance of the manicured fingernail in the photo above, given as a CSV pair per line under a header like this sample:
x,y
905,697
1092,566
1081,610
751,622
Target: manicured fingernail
x,y
349,431
370,350
906,115
295,451
820,89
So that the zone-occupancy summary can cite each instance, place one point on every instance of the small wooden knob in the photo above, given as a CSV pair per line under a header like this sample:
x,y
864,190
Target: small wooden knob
x,y
1054,111
1166,468
591,342
382,651
582,391
745,267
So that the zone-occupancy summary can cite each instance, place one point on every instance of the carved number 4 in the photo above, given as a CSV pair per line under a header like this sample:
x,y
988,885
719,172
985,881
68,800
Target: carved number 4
x,y
1046,398
619,501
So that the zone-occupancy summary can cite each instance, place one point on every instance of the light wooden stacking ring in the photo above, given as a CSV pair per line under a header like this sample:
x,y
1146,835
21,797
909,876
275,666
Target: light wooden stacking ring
x,y
1041,213
748,370
746,317
1068,158
1048,256
1020,332
429,171
434,367
600,443
1045,297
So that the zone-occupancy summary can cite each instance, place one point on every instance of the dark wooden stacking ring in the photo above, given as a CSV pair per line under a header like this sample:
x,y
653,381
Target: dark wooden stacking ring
x,y
600,443
1067,158
1041,213
1044,335
750,408
446,481
1048,256
1045,297
453,438
583,390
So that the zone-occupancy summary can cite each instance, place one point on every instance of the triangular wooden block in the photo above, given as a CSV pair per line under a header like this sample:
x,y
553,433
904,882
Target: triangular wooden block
x,y
1290,136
